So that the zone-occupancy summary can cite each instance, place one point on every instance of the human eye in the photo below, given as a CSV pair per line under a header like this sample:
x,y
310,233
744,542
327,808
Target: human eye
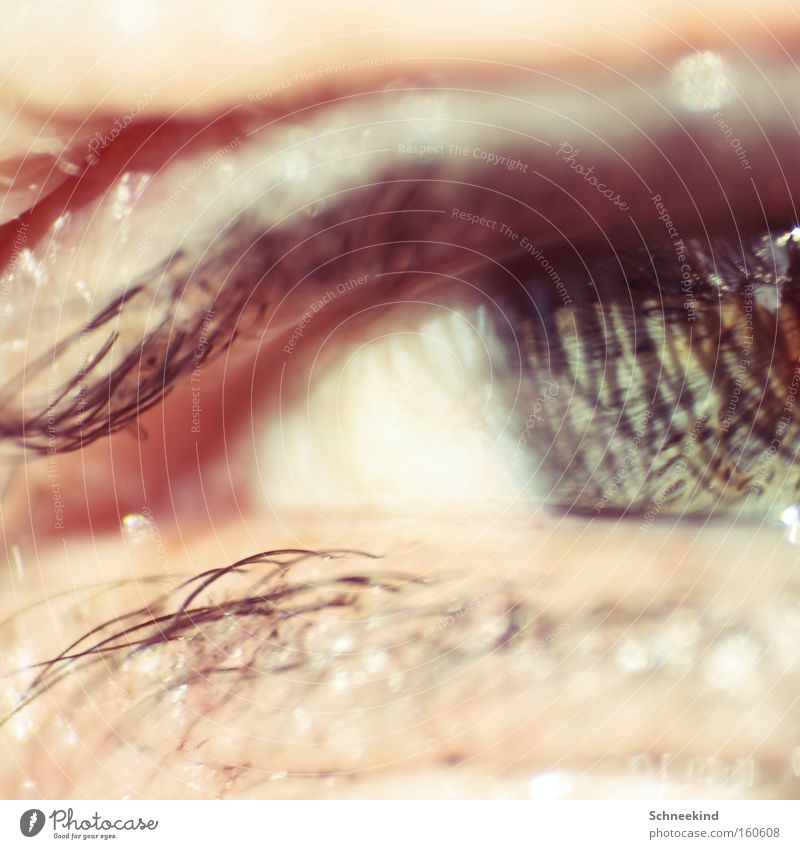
x,y
495,372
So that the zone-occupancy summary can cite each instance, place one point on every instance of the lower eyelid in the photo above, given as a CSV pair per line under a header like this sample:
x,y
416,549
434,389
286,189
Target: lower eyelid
x,y
447,646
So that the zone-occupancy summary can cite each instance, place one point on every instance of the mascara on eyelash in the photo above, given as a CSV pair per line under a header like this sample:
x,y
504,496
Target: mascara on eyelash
x,y
631,402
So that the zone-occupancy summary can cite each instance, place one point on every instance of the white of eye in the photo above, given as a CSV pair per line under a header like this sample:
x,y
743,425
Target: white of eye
x,y
404,413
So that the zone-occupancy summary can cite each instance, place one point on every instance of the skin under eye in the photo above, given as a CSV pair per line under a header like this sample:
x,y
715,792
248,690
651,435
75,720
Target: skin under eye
x,y
466,634
346,676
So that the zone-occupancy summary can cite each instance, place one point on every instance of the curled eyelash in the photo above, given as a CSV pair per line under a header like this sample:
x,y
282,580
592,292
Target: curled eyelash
x,y
300,635
193,311
126,373
154,624
638,343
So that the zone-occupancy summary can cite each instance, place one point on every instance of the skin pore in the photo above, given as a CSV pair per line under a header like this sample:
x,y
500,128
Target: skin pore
x,y
441,635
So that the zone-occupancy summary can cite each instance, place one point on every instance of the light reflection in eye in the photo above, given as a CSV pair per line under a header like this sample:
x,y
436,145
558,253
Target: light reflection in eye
x,y
791,518
703,81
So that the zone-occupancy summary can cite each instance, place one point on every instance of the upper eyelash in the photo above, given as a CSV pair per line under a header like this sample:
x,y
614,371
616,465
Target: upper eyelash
x,y
93,403
238,278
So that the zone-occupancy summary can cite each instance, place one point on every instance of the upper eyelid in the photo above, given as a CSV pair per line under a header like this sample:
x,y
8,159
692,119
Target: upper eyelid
x,y
153,363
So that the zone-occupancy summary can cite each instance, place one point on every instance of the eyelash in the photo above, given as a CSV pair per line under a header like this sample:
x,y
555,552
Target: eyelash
x,y
239,279
100,398
564,298
647,379
160,622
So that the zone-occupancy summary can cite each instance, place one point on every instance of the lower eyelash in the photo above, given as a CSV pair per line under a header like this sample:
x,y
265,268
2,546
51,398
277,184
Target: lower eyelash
x,y
158,623
398,635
